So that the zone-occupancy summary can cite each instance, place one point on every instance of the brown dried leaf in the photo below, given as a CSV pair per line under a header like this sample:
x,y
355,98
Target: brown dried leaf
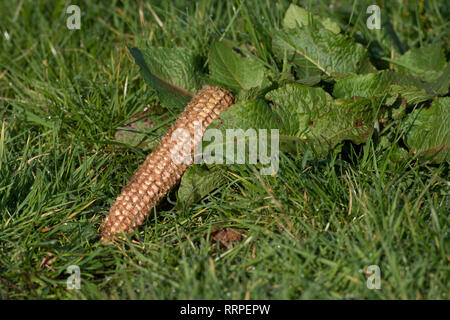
x,y
227,237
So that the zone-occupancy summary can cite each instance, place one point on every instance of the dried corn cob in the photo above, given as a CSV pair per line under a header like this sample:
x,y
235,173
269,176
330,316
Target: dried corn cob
x,y
160,172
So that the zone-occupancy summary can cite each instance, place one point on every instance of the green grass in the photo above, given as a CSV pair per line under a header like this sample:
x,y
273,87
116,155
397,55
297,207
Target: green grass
x,y
311,231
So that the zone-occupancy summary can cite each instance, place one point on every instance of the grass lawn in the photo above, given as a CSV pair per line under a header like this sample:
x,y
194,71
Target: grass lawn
x,y
309,232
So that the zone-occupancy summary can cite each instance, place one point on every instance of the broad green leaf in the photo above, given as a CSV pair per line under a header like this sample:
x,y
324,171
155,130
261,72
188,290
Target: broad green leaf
x,y
254,114
232,71
297,106
441,84
427,62
311,114
386,84
247,116
170,72
255,92
361,85
297,17
197,182
304,116
144,128
134,134
371,84
316,51
348,119
428,131
410,94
